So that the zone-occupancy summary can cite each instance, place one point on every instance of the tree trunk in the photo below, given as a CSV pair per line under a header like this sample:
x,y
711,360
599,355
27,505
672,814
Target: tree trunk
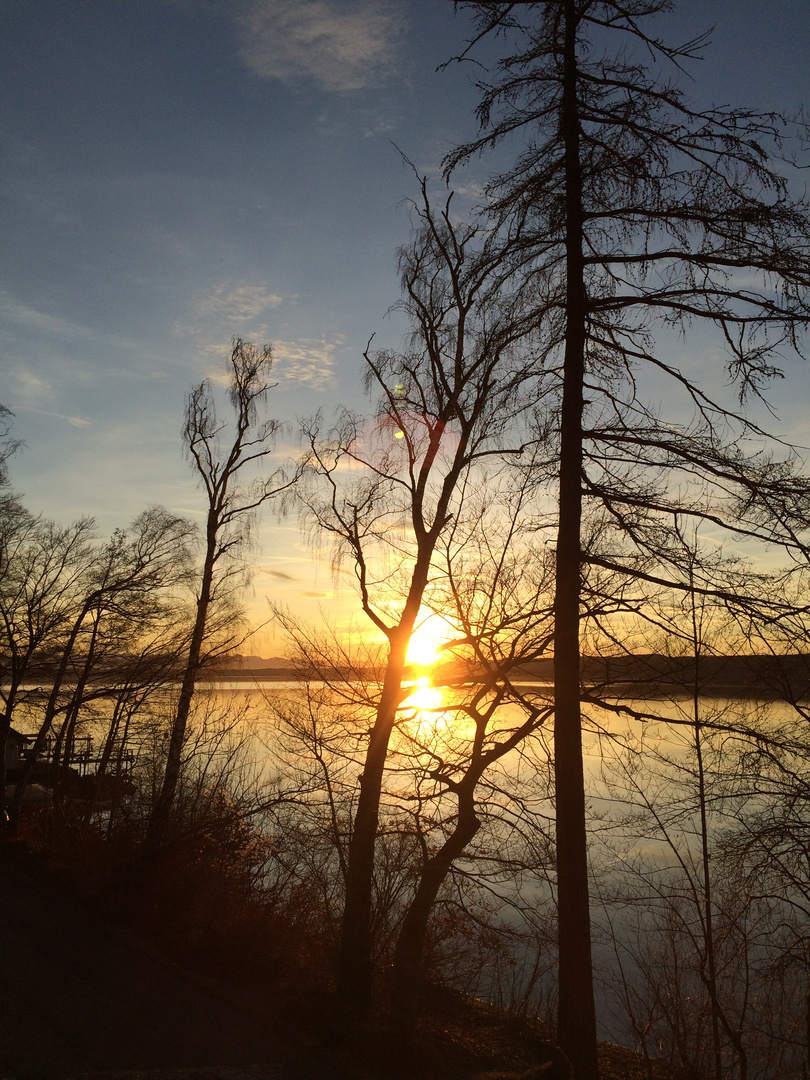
x,y
5,728
66,739
50,710
410,950
355,967
355,975
576,1018
160,814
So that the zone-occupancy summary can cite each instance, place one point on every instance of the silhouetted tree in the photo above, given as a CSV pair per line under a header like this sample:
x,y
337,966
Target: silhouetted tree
x,y
8,445
43,569
387,491
496,598
70,596
637,213
233,498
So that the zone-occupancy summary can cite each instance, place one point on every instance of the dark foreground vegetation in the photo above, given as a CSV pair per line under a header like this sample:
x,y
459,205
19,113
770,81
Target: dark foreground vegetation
x,y
194,970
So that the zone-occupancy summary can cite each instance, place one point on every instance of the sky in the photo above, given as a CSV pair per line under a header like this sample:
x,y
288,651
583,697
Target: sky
x,y
177,172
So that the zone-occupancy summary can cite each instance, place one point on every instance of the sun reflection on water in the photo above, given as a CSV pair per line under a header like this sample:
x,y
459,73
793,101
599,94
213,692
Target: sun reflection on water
x,y
424,696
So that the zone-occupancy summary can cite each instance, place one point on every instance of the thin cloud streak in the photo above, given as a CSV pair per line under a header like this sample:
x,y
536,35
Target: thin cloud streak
x,y
40,321
238,302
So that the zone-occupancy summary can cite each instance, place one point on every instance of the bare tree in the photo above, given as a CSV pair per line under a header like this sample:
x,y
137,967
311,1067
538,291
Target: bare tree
x,y
83,594
497,599
8,445
450,792
43,570
387,491
695,940
640,213
233,498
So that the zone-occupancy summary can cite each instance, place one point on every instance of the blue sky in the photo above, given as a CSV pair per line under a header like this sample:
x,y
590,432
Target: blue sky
x,y
175,172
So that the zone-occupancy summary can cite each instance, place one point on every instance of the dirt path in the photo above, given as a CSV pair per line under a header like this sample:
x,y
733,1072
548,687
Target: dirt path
x,y
79,996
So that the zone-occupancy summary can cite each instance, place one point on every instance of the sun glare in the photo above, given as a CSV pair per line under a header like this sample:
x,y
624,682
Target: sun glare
x,y
422,651
426,640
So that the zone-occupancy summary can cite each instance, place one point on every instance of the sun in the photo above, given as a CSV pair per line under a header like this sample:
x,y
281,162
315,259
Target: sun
x,y
422,651
424,647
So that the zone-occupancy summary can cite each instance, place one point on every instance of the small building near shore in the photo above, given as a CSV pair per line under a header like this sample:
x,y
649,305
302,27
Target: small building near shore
x,y
16,744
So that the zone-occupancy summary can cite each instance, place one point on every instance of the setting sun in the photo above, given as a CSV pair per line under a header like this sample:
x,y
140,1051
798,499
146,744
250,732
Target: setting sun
x,y
422,651
426,641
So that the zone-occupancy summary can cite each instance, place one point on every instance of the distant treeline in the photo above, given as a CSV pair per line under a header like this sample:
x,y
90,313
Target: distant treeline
x,y
652,674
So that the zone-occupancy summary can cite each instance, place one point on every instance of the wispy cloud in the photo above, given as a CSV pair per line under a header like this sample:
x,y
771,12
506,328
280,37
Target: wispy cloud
x,y
35,323
236,310
341,44
231,309
31,390
74,421
40,322
237,302
36,395
306,361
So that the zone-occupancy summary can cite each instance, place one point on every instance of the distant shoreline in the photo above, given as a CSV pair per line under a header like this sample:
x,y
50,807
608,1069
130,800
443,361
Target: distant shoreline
x,y
611,691
650,676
